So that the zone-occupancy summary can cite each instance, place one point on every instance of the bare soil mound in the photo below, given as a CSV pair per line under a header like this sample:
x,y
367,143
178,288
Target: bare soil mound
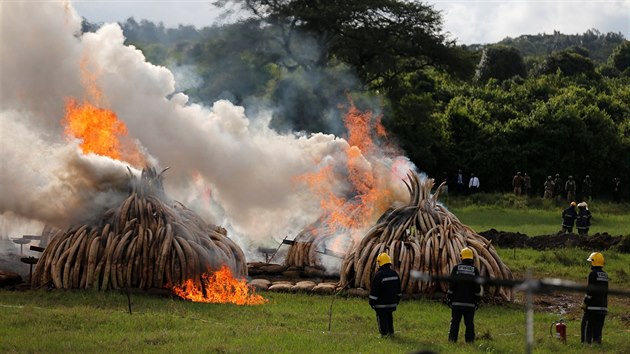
x,y
599,241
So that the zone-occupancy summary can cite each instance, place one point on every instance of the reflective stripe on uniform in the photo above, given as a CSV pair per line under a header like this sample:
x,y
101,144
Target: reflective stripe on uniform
x,y
594,308
385,306
389,279
373,297
464,304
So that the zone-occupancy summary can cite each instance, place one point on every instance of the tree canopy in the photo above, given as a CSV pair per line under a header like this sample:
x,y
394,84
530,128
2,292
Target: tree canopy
x,y
542,104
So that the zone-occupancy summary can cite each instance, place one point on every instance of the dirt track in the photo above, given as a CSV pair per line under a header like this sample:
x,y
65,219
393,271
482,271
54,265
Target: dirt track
x,y
506,239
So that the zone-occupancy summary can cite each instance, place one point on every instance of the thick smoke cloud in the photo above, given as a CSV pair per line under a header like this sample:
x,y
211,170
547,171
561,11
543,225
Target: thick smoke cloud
x,y
232,169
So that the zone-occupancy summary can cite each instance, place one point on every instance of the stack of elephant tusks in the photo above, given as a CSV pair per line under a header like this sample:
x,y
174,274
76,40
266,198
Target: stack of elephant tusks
x,y
143,243
423,236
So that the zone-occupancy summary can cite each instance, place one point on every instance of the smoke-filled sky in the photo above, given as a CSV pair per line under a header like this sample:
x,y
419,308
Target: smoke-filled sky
x,y
468,21
231,169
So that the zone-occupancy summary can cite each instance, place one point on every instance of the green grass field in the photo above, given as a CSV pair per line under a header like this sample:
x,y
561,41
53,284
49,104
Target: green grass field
x,y
86,321
533,216
57,321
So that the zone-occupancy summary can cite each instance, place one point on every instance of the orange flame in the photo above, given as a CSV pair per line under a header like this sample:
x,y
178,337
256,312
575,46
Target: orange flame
x,y
99,129
219,287
362,164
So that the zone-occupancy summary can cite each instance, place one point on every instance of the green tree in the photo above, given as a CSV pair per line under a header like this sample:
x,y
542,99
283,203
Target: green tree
x,y
501,63
382,40
568,63
620,57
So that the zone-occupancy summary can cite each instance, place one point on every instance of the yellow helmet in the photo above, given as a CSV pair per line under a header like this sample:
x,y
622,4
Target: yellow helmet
x,y
596,259
466,253
383,259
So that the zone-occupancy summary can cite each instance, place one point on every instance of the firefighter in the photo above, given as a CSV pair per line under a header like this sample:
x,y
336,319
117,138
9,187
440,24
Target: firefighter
x,y
463,296
583,221
385,294
568,218
595,304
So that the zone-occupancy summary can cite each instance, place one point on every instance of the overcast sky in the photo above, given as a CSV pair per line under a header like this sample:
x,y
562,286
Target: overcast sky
x,y
468,22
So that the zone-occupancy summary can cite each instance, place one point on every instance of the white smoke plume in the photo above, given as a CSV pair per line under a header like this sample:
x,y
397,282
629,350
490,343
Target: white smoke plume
x,y
232,169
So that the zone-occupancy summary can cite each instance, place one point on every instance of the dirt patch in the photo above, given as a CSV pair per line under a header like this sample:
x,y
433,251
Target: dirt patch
x,y
599,241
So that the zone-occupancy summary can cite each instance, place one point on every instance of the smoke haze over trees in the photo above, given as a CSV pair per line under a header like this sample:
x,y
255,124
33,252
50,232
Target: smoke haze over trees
x,y
563,106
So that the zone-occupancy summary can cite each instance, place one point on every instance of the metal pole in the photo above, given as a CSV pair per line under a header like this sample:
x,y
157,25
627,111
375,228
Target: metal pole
x,y
273,255
529,315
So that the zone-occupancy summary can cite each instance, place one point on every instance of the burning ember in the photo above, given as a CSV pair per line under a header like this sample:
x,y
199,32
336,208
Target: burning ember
x,y
219,287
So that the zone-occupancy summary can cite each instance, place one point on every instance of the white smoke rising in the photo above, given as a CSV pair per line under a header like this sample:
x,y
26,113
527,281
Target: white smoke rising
x,y
250,170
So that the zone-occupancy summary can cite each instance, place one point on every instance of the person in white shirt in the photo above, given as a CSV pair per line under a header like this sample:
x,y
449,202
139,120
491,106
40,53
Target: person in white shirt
x,y
473,183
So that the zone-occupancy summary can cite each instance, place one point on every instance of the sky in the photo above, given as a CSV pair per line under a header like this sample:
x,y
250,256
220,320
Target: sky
x,y
468,22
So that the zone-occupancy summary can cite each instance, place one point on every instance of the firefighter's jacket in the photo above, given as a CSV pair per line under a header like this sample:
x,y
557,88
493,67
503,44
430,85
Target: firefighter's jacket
x,y
596,299
568,216
464,294
583,218
385,292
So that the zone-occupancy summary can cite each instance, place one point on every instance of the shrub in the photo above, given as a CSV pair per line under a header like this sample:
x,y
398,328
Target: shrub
x,y
624,245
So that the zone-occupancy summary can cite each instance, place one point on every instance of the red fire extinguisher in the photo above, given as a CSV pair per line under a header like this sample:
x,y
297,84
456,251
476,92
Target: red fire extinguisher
x,y
561,330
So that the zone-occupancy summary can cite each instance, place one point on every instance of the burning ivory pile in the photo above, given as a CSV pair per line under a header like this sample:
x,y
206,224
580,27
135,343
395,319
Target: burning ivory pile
x,y
143,243
317,238
421,236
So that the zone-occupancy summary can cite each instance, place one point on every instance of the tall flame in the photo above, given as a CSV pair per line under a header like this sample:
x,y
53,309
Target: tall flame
x,y
369,197
219,287
99,129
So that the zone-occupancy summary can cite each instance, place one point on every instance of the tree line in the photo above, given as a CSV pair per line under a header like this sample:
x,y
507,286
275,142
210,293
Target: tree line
x,y
542,104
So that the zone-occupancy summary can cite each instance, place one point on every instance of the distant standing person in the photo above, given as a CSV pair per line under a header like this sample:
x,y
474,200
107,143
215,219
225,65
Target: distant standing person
x,y
595,304
517,184
445,186
527,185
568,218
463,296
558,187
587,188
583,221
570,188
549,188
385,294
617,189
459,182
473,183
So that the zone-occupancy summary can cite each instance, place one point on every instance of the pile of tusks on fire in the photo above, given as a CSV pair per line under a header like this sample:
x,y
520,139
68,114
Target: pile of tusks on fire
x,y
421,236
146,242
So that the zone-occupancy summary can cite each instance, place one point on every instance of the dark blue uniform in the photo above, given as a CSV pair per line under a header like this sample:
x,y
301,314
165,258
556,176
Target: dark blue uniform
x,y
595,306
583,221
568,219
463,297
384,298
